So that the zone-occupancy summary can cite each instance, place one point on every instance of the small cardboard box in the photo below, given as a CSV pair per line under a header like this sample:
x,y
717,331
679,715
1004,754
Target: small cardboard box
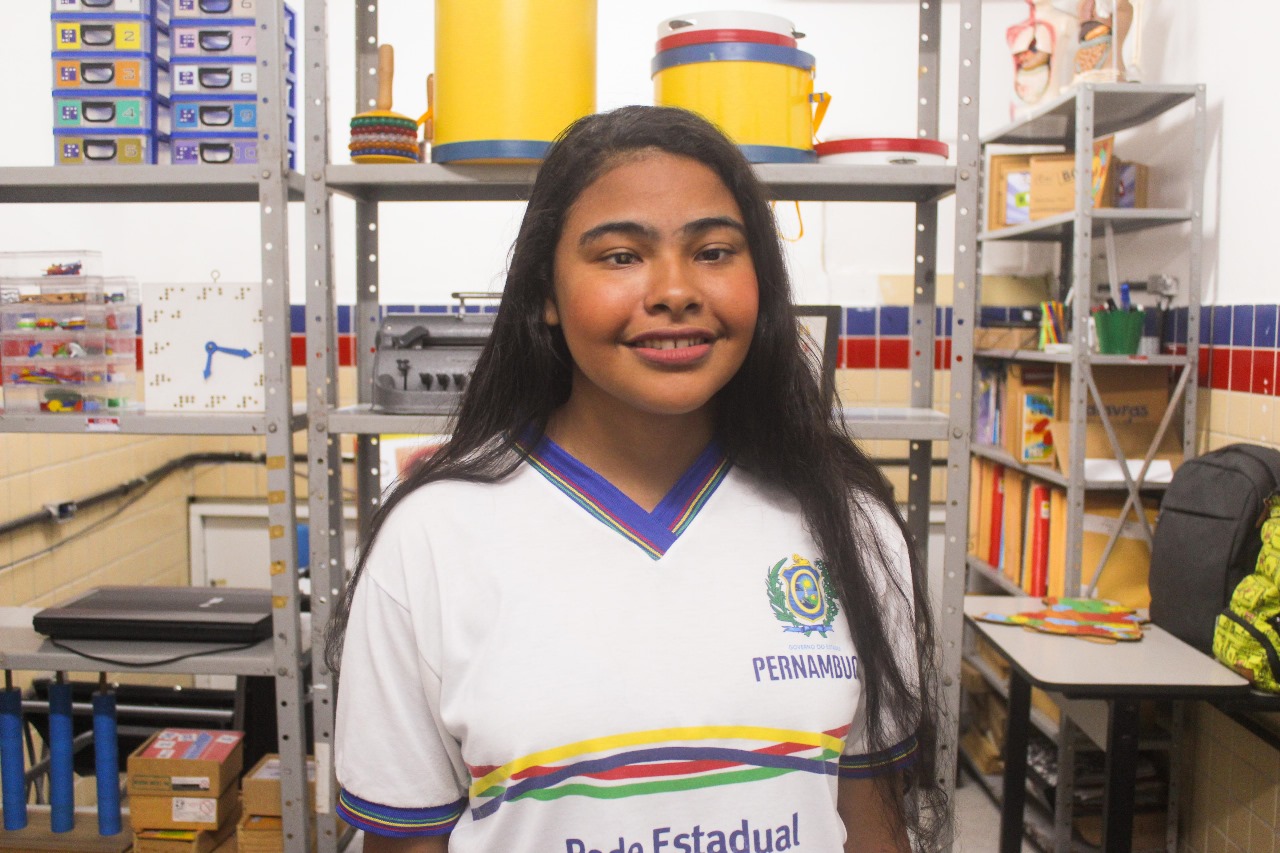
x,y
260,787
1009,191
1135,399
184,812
182,840
1006,337
186,762
1115,183
1128,567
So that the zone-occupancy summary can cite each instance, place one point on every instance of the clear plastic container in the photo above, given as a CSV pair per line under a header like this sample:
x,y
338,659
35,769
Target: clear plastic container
x,y
52,372
33,265
110,71
125,111
158,9
215,38
109,147
58,345
78,33
215,8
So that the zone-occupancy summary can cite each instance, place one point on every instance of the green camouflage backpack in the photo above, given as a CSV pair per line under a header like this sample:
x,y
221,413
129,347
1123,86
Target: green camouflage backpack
x,y
1247,635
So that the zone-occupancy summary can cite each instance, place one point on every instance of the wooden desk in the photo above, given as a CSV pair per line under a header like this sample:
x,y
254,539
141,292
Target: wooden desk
x,y
1160,666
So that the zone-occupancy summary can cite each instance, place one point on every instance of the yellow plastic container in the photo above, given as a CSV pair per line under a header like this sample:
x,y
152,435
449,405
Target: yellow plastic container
x,y
510,75
757,91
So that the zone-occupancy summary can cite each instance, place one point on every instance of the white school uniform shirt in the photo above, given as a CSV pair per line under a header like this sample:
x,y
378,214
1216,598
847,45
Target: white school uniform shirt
x,y
541,665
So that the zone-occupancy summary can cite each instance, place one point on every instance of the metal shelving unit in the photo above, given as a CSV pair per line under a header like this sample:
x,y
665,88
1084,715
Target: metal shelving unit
x,y
1073,121
270,186
372,185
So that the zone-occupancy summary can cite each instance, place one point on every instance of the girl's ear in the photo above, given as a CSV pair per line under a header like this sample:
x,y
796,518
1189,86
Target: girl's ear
x,y
550,315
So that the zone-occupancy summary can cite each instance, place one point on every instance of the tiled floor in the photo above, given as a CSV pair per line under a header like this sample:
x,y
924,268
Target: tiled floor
x,y
978,821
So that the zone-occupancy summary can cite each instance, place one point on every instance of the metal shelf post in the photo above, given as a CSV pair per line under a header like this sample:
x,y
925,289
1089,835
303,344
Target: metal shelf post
x,y
964,312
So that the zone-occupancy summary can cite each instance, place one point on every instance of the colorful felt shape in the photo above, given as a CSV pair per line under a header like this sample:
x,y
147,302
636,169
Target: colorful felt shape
x,y
1090,618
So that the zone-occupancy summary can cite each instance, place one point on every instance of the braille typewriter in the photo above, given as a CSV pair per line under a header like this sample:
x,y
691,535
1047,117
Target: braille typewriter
x,y
423,362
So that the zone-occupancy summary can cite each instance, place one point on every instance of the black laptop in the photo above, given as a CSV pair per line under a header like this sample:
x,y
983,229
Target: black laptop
x,y
161,614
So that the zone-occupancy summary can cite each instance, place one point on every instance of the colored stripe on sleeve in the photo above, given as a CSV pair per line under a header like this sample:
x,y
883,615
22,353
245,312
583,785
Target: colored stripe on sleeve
x,y
398,822
898,757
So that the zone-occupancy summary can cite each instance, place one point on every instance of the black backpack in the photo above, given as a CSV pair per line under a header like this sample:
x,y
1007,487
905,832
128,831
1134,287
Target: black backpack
x,y
1206,537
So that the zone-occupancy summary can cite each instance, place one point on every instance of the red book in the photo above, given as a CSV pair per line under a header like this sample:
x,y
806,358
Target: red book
x,y
996,548
1039,584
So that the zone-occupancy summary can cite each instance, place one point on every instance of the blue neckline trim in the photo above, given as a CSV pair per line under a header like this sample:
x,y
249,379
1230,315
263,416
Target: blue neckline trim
x,y
653,532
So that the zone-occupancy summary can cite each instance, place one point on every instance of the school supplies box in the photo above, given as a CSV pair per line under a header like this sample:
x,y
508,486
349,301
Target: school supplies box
x,y
260,788
186,762
184,840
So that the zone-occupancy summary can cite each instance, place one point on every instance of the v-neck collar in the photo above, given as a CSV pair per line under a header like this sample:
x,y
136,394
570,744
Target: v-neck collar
x,y
654,532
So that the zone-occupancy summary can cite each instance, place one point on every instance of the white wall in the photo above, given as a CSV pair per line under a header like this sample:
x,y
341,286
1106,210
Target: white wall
x,y
866,58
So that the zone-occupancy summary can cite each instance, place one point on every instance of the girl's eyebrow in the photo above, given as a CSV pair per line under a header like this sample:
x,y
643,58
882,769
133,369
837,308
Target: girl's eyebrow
x,y
708,223
632,229
648,232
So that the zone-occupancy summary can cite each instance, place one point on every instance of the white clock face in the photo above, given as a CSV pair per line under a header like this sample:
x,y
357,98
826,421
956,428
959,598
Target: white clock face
x,y
202,347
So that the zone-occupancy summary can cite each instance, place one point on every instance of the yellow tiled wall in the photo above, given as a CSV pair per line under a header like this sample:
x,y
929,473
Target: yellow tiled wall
x,y
1230,787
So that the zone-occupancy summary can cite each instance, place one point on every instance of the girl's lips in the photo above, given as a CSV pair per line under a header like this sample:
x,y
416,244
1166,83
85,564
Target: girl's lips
x,y
676,357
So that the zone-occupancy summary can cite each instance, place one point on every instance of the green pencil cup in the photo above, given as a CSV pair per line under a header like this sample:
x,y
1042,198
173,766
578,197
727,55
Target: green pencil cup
x,y
1119,332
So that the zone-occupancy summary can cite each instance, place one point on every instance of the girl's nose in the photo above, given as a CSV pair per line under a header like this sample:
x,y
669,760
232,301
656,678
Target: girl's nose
x,y
673,288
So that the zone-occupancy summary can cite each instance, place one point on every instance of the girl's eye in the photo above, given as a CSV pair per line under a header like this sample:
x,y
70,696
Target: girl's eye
x,y
718,253
621,259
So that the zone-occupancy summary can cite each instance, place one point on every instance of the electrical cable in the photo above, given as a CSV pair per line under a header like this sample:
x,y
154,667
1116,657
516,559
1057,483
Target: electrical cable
x,y
130,663
133,491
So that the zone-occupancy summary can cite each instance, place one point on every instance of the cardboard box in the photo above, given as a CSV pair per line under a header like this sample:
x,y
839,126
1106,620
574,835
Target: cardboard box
x,y
982,752
1130,185
1135,399
1009,191
1115,182
186,762
182,840
260,787
971,679
1128,567
998,663
1044,702
260,834
265,834
183,812
1006,337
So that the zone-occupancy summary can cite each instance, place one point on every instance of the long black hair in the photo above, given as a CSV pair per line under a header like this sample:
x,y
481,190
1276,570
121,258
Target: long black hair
x,y
772,419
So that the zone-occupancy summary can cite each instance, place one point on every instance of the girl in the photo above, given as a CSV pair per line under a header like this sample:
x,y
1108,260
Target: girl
x,y
650,597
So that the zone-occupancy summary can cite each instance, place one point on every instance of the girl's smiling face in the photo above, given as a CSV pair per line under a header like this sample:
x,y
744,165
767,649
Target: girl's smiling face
x,y
655,288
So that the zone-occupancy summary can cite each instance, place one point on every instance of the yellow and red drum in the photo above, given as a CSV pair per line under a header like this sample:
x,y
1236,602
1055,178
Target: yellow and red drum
x,y
510,75
742,71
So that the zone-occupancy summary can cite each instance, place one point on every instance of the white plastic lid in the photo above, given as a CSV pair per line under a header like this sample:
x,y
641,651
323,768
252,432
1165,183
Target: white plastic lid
x,y
722,20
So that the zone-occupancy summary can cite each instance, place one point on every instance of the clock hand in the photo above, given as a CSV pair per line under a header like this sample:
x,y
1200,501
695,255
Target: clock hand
x,y
211,347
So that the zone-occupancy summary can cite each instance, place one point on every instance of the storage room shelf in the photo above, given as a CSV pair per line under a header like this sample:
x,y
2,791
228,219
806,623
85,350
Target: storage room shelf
x,y
993,575
903,423
1057,228
1050,474
1094,358
864,423
1039,719
22,648
86,184
149,423
789,181
1116,107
